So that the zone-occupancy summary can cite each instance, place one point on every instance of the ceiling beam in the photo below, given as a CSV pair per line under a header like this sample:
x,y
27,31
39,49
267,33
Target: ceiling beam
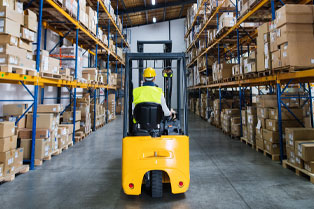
x,y
157,6
154,23
181,11
124,8
165,10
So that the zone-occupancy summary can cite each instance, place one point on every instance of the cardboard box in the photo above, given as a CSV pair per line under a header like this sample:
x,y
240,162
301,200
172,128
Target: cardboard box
x,y
252,119
20,124
8,143
14,109
25,45
251,110
294,13
272,148
18,157
42,148
53,65
266,101
7,158
9,27
1,170
297,134
309,166
8,59
7,129
273,41
77,125
276,59
263,112
297,54
8,3
294,33
44,120
40,133
305,150
8,39
271,136
299,162
259,143
68,126
30,20
68,116
6,12
285,114
49,108
272,125
261,123
259,133
290,155
27,34
12,50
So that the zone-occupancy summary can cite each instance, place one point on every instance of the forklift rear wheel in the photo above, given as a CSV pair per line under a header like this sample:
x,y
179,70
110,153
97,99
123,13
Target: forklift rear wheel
x,y
156,184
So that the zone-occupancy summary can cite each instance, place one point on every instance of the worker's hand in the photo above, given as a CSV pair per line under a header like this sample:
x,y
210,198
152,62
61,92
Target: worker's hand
x,y
173,113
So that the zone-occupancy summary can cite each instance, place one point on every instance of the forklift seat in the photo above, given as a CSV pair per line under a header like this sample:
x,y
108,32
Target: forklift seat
x,y
148,118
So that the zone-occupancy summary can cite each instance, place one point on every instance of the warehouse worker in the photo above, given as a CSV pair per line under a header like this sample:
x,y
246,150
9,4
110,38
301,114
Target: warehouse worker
x,y
150,93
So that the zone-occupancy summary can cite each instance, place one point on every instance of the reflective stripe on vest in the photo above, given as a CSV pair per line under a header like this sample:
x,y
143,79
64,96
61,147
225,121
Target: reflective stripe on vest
x,y
147,94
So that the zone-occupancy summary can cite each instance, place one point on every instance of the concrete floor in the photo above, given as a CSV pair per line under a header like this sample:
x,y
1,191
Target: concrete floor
x,y
225,173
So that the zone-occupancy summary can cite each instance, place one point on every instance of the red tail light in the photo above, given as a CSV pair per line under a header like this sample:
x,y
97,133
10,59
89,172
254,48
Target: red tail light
x,y
181,184
131,186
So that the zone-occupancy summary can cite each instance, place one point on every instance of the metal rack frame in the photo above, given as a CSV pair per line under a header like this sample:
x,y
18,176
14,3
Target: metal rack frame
x,y
304,78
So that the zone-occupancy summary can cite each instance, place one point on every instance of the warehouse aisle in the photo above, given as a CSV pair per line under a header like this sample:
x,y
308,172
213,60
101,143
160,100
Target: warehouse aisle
x,y
225,173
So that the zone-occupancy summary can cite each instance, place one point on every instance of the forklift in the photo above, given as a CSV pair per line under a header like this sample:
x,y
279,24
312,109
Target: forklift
x,y
155,149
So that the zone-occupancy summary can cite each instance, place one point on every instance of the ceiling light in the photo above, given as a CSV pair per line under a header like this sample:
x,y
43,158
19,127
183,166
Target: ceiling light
x,y
153,2
154,19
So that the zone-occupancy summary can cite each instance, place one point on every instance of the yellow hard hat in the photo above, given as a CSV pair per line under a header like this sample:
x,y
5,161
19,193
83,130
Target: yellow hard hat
x,y
149,73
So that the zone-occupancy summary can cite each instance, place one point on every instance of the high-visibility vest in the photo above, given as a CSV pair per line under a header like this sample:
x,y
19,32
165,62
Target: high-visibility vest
x,y
147,94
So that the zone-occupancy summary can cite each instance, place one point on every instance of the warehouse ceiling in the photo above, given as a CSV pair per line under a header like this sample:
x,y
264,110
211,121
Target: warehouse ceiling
x,y
142,12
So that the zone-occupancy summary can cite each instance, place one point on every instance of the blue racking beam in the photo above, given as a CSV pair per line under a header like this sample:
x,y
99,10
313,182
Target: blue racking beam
x,y
116,36
280,121
311,103
40,17
108,58
75,72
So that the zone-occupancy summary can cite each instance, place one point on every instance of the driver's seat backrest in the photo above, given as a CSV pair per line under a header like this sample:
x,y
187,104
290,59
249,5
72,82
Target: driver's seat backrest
x,y
148,115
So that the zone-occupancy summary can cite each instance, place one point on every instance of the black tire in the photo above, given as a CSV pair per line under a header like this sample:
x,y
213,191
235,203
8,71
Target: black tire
x,y
156,184
147,181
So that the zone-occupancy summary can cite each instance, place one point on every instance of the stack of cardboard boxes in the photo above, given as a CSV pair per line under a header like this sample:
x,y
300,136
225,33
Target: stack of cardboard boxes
x,y
249,130
67,118
10,157
13,113
287,41
83,104
90,74
226,116
111,107
221,71
119,106
17,33
48,64
100,114
300,147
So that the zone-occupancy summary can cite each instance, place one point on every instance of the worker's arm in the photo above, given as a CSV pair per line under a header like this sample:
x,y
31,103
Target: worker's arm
x,y
165,109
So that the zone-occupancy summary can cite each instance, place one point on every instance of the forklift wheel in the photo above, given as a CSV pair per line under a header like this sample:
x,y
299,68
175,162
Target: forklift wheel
x,y
156,184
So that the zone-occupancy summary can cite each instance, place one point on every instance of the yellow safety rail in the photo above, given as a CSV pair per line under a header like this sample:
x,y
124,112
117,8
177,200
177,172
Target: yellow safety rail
x,y
307,75
15,78
80,27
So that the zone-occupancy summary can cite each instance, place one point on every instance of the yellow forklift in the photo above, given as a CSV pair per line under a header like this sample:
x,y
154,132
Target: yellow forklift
x,y
155,149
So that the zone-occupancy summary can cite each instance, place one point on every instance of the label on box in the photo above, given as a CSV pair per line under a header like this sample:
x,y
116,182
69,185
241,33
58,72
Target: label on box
x,y
10,161
284,54
16,154
2,14
312,61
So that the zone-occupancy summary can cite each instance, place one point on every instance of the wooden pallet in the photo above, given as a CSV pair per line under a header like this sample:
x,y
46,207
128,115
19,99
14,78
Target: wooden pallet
x,y
39,162
234,136
50,75
251,75
18,70
298,171
70,144
275,157
78,138
264,73
244,140
259,149
20,170
291,69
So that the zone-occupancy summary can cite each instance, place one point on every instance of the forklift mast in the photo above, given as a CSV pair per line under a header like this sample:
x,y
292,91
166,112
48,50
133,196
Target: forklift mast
x,y
167,73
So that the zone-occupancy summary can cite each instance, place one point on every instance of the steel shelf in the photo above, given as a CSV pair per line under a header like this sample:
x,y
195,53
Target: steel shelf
x,y
200,7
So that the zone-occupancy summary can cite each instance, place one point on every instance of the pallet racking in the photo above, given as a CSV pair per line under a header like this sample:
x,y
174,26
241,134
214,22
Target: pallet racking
x,y
52,16
279,80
